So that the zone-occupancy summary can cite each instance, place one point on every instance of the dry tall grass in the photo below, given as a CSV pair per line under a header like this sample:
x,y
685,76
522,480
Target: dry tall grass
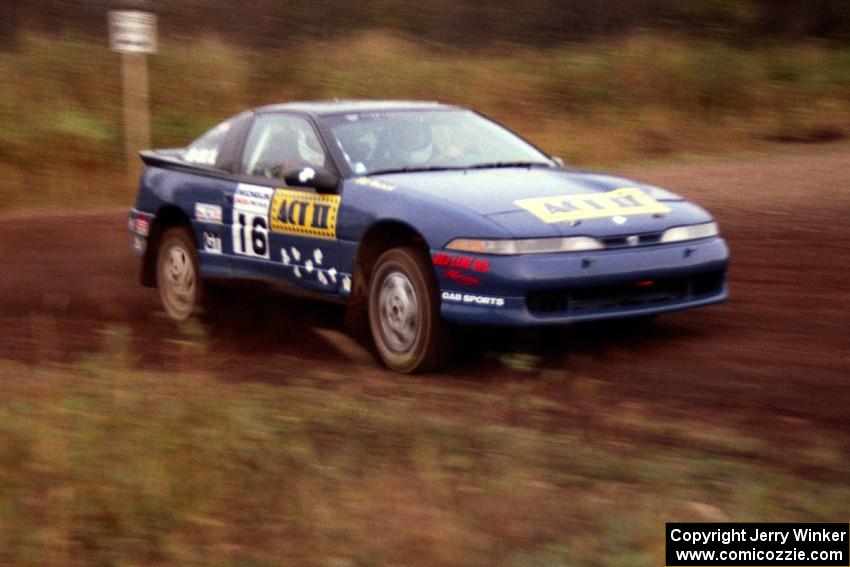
x,y
645,97
101,464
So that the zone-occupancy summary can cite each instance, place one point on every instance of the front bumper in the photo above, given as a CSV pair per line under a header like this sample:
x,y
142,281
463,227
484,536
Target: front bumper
x,y
557,289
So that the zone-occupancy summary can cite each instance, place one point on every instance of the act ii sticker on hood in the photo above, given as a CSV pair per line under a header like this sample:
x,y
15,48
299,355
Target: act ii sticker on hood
x,y
569,208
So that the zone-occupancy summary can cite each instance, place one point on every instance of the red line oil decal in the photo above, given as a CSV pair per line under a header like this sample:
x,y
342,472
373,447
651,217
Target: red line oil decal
x,y
461,262
461,278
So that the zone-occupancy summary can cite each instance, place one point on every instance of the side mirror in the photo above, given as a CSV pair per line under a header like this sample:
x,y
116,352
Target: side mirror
x,y
558,161
312,176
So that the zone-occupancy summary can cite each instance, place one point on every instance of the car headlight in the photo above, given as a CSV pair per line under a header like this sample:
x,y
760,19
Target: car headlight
x,y
692,232
525,246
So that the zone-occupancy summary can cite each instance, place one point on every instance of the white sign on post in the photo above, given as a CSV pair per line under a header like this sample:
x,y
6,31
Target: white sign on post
x,y
132,31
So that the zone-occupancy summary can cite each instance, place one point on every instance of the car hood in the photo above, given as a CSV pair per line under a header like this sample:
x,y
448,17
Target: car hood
x,y
507,196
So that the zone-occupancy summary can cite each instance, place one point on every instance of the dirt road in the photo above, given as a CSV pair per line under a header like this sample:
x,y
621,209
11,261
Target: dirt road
x,y
775,359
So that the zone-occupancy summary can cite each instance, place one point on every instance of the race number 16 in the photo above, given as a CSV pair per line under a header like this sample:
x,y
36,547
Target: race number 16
x,y
251,235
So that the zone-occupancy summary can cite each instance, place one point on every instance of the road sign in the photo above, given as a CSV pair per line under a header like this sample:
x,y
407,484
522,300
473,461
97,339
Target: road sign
x,y
132,31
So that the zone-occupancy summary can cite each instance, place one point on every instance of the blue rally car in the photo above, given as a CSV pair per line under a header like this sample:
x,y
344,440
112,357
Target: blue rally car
x,y
415,214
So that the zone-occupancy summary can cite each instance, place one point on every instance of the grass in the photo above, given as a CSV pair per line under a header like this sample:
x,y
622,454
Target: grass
x,y
104,464
645,97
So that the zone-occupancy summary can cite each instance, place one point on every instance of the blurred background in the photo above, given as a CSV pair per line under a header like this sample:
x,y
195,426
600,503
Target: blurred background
x,y
267,433
596,81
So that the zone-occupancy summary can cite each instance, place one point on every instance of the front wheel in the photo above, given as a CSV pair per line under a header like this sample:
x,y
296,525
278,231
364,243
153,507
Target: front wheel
x,y
404,311
178,275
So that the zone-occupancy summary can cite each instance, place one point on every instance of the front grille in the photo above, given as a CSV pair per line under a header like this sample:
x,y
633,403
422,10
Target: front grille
x,y
628,241
631,294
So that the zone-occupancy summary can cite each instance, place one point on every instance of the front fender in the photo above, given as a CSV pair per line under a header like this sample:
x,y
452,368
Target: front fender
x,y
437,220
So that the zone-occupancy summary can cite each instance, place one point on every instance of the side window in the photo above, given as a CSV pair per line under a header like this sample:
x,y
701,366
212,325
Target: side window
x,y
280,142
205,150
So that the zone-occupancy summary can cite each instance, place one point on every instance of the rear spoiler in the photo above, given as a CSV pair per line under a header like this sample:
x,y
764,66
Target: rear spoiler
x,y
172,158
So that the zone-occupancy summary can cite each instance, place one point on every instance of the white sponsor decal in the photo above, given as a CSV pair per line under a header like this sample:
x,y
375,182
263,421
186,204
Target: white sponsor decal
x,y
212,243
306,174
205,212
253,198
472,299
250,220
292,256
201,156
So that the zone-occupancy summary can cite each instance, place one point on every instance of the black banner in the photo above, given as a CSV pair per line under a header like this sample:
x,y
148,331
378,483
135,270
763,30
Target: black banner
x,y
745,544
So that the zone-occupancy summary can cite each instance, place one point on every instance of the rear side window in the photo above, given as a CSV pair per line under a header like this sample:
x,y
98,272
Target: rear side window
x,y
206,149
279,142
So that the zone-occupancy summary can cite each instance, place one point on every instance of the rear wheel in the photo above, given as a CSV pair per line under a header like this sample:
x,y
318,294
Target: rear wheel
x,y
178,275
404,311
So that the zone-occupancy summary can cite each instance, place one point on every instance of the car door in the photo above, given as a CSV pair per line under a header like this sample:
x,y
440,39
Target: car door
x,y
209,190
278,230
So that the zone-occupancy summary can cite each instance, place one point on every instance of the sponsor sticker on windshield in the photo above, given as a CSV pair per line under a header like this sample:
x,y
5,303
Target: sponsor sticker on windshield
x,y
569,208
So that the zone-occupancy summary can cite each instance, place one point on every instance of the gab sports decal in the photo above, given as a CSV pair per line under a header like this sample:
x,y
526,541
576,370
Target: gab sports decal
x,y
570,208
304,214
250,220
472,299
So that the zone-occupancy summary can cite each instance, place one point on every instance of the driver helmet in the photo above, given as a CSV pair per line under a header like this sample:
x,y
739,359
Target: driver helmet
x,y
415,141
309,148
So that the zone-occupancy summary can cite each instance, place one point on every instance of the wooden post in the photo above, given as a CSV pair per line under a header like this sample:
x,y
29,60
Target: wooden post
x,y
137,134
132,33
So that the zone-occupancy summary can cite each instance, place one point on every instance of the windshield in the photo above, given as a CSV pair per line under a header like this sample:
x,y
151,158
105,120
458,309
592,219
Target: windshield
x,y
385,142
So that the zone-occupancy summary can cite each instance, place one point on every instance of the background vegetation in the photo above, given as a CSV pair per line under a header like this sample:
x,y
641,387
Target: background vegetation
x,y
464,23
636,97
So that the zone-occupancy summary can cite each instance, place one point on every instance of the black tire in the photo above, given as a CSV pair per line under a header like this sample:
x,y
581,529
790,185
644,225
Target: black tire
x,y
178,276
404,311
